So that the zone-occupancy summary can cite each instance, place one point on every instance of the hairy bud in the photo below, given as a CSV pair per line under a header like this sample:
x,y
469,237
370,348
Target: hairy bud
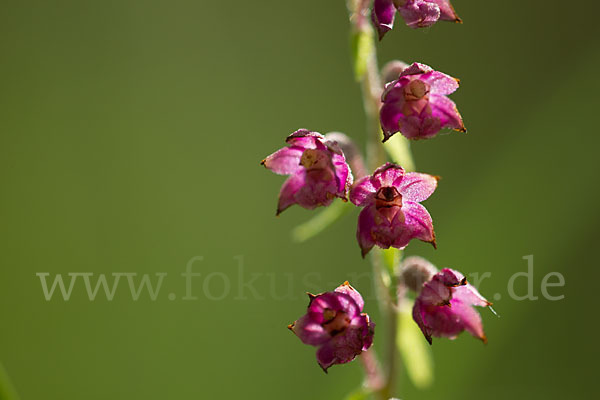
x,y
416,271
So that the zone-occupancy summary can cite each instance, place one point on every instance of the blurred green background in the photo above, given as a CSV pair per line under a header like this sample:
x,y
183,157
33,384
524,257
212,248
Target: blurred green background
x,y
131,134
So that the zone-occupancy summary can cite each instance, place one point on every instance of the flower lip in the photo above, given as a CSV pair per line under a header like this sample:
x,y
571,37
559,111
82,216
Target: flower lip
x,y
387,197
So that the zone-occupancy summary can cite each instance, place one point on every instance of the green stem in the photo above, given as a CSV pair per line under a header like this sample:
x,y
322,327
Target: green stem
x,y
371,85
367,70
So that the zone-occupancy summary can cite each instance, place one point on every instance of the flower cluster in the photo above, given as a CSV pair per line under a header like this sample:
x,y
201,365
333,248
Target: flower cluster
x,y
414,102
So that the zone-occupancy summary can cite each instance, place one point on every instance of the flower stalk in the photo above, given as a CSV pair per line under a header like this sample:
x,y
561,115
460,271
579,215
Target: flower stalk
x,y
367,71
413,104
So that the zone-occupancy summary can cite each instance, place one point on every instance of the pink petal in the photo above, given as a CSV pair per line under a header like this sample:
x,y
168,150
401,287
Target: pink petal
x,y
417,187
343,174
310,332
334,301
469,318
344,347
440,83
420,13
442,321
445,110
450,277
416,69
419,126
450,321
388,174
383,15
362,192
391,116
367,329
418,312
447,12
326,356
417,225
435,293
468,294
287,195
366,224
306,139
284,161
394,91
353,293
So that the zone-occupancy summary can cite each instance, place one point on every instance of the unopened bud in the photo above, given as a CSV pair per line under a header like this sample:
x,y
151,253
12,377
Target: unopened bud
x,y
392,70
416,271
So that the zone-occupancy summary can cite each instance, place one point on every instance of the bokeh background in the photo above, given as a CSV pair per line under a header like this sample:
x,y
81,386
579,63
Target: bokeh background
x,y
131,134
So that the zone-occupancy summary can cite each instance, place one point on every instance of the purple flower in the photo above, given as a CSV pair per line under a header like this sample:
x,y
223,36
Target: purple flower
x,y
392,215
444,307
317,168
416,105
416,13
334,323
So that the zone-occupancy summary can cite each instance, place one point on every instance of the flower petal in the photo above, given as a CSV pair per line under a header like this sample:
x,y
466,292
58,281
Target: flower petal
x,y
468,294
284,161
440,83
333,301
353,293
445,110
362,192
344,347
416,69
420,13
450,277
417,225
418,313
287,195
390,116
435,293
326,356
383,15
469,318
309,331
306,139
447,12
417,187
343,174
389,174
450,321
366,223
